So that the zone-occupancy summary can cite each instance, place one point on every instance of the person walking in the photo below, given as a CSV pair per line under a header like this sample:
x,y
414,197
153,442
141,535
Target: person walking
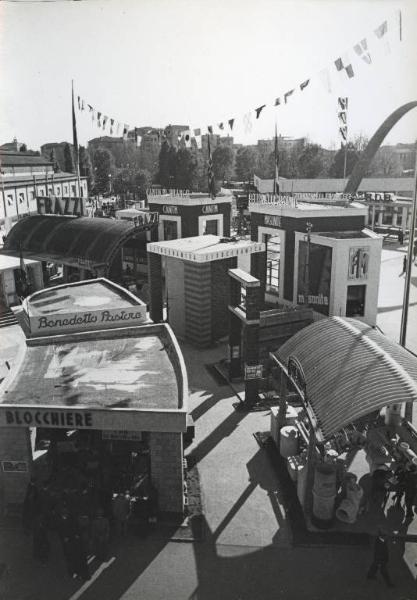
x,y
121,512
380,561
40,540
410,488
100,534
403,272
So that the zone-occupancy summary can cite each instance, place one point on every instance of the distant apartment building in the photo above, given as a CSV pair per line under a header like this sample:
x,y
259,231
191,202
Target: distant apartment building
x,y
265,147
26,176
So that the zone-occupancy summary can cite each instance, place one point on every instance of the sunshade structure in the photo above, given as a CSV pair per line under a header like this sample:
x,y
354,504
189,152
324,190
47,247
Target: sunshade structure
x,y
349,370
79,241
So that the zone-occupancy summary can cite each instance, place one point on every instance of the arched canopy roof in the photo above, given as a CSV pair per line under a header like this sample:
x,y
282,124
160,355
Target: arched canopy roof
x,y
349,370
83,241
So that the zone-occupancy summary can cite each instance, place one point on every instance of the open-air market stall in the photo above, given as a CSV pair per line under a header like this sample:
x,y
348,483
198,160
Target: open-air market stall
x,y
344,439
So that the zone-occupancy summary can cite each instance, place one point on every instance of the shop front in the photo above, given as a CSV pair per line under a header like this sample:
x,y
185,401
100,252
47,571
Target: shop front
x,y
184,215
94,403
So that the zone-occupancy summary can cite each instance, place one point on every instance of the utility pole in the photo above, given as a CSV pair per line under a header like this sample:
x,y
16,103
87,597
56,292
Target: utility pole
x,y
406,299
309,227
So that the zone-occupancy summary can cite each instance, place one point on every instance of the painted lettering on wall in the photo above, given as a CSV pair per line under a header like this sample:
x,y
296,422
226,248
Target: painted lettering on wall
x,y
169,210
88,318
272,220
319,300
49,418
210,209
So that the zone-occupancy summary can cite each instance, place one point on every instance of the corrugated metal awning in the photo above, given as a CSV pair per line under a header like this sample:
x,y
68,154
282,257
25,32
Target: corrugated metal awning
x,y
350,370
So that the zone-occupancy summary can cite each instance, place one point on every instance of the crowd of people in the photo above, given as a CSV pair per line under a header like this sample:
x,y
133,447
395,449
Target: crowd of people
x,y
85,516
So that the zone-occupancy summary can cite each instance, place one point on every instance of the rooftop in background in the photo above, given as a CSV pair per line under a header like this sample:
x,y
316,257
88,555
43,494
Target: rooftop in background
x,y
377,184
349,235
205,248
160,196
22,159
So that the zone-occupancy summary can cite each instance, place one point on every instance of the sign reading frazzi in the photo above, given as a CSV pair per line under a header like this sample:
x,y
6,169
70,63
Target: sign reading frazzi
x,y
102,319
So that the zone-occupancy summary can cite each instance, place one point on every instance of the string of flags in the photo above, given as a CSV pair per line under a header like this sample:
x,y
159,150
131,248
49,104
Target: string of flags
x,y
342,65
342,116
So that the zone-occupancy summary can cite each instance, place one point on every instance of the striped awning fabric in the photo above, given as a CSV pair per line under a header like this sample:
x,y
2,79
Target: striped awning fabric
x,y
350,370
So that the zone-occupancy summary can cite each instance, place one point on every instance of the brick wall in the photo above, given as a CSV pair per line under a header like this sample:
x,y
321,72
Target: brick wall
x,y
14,445
167,470
197,289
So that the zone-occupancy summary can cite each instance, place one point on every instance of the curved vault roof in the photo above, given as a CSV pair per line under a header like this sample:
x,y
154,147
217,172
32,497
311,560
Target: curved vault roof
x,y
68,239
350,370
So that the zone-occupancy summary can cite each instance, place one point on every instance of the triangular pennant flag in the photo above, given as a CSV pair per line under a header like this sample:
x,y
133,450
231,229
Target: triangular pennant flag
x,y
381,30
231,123
343,103
287,95
342,117
277,101
400,25
361,50
104,121
259,110
247,122
197,132
344,64
210,129
79,102
125,130
111,126
221,126
99,119
343,132
304,84
82,105
325,79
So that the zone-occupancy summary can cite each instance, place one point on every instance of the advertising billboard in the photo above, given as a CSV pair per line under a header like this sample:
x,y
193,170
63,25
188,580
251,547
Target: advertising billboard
x,y
314,276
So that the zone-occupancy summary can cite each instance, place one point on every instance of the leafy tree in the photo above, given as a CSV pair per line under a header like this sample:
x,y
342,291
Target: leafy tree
x,y
166,170
337,166
223,159
310,161
185,170
246,160
385,164
68,160
103,163
23,148
86,166
143,180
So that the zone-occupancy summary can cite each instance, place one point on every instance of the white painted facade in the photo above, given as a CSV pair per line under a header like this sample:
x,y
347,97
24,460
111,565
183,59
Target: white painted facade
x,y
340,279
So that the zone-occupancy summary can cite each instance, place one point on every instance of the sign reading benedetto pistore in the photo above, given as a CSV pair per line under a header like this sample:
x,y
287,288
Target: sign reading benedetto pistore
x,y
101,319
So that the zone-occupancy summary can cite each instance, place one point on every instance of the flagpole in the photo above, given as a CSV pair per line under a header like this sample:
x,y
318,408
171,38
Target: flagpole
x,y
76,149
406,299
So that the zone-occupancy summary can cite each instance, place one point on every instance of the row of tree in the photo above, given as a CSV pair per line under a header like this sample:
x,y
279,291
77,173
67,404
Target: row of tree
x,y
121,171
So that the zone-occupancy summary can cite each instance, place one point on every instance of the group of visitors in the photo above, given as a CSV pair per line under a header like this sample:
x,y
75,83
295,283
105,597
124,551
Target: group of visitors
x,y
84,519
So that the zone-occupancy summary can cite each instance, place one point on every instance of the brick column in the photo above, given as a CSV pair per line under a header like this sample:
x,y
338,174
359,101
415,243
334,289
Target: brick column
x,y
155,284
198,310
167,470
14,446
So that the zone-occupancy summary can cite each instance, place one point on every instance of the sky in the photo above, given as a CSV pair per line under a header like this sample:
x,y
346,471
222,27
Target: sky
x,y
201,62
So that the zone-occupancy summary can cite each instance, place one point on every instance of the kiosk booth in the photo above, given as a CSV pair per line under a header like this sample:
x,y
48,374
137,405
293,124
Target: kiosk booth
x,y
183,215
339,425
103,392
318,255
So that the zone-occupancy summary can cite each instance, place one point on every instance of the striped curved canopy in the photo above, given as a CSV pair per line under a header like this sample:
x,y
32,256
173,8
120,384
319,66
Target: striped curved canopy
x,y
350,370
